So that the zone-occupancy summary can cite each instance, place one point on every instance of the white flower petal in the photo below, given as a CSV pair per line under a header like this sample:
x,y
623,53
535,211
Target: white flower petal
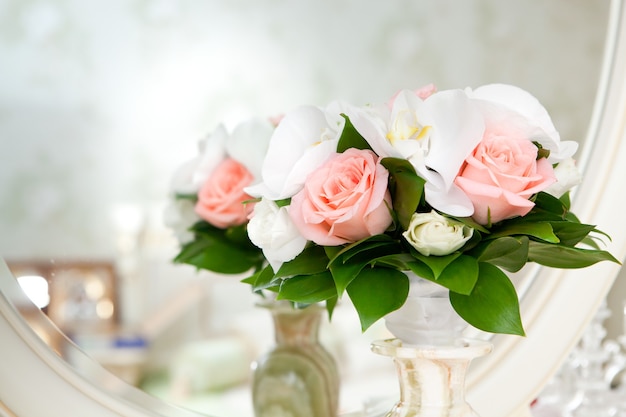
x,y
213,151
248,144
372,125
525,104
452,201
301,141
271,229
567,177
457,128
179,215
182,180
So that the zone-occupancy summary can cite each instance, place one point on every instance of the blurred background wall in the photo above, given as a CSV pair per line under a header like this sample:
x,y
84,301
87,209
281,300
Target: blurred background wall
x,y
100,101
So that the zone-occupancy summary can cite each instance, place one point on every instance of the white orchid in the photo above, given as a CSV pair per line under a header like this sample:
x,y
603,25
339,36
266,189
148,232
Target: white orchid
x,y
435,135
302,141
531,116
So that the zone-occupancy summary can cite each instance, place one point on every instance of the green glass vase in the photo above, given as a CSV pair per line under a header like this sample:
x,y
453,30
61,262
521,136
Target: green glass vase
x,y
298,377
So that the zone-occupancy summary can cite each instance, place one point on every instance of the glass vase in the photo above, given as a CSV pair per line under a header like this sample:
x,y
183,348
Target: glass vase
x,y
430,354
298,377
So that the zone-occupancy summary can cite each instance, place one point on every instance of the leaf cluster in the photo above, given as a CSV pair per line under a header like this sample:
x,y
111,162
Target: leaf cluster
x,y
225,251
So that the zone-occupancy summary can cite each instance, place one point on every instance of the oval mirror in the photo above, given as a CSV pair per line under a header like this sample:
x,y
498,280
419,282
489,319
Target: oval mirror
x,y
96,115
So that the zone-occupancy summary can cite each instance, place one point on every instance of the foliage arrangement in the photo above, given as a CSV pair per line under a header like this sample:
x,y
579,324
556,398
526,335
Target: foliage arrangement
x,y
457,186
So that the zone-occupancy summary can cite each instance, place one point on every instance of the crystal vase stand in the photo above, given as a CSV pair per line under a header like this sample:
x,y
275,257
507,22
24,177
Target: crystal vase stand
x,y
432,378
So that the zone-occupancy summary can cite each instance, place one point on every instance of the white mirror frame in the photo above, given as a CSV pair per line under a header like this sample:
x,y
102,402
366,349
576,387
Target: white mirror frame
x,y
36,382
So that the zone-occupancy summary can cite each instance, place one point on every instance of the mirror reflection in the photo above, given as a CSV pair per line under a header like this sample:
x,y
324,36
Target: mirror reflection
x,y
100,103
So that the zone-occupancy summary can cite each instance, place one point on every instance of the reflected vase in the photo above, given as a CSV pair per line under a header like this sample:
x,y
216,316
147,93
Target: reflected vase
x,y
298,376
430,354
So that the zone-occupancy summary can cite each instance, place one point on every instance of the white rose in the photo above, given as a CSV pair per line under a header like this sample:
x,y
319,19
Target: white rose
x,y
433,234
271,229
567,176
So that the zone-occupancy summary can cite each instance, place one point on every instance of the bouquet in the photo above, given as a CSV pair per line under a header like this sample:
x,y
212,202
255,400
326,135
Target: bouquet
x,y
209,208
456,186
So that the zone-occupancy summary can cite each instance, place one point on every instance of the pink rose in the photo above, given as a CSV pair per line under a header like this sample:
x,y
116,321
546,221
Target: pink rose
x,y
221,197
344,200
501,174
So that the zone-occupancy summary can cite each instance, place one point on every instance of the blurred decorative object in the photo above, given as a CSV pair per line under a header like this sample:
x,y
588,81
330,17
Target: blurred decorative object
x,y
298,377
591,381
82,303
210,365
124,355
36,289
82,294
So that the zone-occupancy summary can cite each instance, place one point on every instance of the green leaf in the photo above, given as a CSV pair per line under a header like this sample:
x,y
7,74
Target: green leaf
x,y
213,252
239,236
332,252
193,197
351,138
312,260
377,292
547,202
331,303
565,257
406,188
493,305
460,275
344,272
422,270
565,200
263,279
399,261
539,230
284,202
308,289
570,233
510,253
337,253
437,264
468,221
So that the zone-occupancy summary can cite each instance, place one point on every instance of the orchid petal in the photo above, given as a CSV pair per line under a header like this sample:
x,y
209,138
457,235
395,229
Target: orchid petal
x,y
372,125
300,143
248,144
452,138
452,201
182,180
525,104
213,151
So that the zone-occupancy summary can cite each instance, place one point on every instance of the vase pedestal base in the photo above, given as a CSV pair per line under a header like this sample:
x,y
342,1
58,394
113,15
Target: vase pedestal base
x,y
432,378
